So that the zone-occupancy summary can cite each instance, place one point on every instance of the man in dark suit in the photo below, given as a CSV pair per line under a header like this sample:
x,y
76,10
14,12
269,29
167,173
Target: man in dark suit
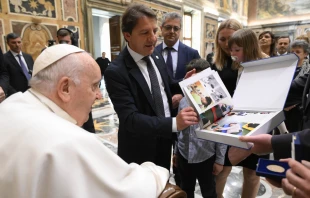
x,y
181,54
18,64
4,78
103,63
140,89
176,54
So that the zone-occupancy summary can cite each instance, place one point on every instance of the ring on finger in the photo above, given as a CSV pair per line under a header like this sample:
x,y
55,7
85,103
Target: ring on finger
x,y
293,191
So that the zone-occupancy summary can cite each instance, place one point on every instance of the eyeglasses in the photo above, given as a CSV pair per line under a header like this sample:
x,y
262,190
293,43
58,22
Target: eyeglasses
x,y
169,27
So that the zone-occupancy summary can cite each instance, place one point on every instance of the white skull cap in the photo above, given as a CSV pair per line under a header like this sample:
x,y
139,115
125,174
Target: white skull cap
x,y
52,54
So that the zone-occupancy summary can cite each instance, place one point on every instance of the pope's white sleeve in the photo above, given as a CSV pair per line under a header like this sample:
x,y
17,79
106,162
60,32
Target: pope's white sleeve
x,y
84,167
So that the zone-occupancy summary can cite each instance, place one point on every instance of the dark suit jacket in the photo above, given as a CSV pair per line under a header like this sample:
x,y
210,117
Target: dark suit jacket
x,y
103,64
281,145
18,81
185,55
4,76
142,136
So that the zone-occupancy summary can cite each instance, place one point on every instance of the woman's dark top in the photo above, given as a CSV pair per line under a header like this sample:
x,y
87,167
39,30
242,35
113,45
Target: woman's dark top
x,y
228,76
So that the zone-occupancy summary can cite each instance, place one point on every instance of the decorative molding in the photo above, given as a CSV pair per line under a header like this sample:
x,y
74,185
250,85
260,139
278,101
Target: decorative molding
x,y
69,10
42,8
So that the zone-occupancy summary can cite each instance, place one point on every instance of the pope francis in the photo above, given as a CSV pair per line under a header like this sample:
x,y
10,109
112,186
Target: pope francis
x,y
44,152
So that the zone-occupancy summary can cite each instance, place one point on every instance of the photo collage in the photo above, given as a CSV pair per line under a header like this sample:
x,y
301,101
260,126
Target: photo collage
x,y
208,96
211,100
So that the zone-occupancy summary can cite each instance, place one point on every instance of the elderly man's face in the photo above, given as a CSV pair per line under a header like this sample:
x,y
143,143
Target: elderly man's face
x,y
86,92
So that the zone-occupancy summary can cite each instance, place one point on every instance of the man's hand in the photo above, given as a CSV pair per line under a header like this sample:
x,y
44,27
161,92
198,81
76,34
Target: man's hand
x,y
186,117
176,100
2,95
261,143
217,168
297,179
190,73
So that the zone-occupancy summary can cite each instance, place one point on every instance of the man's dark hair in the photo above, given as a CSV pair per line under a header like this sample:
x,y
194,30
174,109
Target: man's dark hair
x,y
280,37
64,32
11,36
67,32
133,13
198,64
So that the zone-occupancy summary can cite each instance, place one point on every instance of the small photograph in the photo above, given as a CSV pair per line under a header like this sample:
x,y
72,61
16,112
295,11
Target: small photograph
x,y
225,108
200,96
234,128
210,82
214,114
211,115
218,94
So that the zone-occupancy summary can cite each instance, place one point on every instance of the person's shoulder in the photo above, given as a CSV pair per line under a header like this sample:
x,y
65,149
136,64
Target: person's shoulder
x,y
7,53
25,54
159,46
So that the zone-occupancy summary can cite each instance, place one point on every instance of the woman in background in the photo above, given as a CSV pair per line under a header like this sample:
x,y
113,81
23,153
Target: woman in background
x,y
228,71
267,43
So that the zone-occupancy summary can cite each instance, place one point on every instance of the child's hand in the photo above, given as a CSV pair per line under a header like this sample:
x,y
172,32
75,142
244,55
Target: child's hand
x,y
190,73
217,168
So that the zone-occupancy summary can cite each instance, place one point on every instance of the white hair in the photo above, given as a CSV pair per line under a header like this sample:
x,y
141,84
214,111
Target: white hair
x,y
71,66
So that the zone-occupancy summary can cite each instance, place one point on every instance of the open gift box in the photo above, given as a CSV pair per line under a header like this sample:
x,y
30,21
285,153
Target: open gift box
x,y
258,101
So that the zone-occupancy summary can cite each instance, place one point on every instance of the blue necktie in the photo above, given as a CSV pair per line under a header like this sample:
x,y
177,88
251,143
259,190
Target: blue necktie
x,y
23,66
169,61
158,100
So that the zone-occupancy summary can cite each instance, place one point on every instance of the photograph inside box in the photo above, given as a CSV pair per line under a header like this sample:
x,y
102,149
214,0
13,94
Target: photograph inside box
x,y
255,108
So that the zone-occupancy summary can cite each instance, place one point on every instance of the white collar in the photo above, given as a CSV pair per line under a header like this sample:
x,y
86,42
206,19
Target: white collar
x,y
52,106
136,57
15,54
175,46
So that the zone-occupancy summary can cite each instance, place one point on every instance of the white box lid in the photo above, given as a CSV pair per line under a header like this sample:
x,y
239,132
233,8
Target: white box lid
x,y
264,84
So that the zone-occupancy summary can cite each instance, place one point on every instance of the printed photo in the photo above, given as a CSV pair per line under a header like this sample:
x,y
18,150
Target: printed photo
x,y
234,128
214,114
200,95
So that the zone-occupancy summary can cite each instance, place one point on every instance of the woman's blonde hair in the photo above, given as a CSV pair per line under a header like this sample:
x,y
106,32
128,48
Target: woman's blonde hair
x,y
303,37
220,55
247,39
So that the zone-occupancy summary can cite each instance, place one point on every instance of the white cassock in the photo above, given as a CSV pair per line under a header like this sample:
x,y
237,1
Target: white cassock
x,y
43,154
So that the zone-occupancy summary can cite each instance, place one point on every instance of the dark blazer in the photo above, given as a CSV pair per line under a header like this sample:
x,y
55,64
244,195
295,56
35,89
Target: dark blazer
x,y
103,64
185,55
281,144
4,75
142,136
18,81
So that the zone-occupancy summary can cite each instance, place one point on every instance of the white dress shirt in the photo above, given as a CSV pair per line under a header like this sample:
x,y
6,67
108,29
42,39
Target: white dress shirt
x,y
143,68
22,58
174,55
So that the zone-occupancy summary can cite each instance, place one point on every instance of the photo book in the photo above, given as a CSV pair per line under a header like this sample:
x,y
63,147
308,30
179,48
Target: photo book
x,y
255,108
207,94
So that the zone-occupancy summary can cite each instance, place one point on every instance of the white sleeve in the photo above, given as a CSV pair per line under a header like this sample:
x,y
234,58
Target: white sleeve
x,y
84,167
